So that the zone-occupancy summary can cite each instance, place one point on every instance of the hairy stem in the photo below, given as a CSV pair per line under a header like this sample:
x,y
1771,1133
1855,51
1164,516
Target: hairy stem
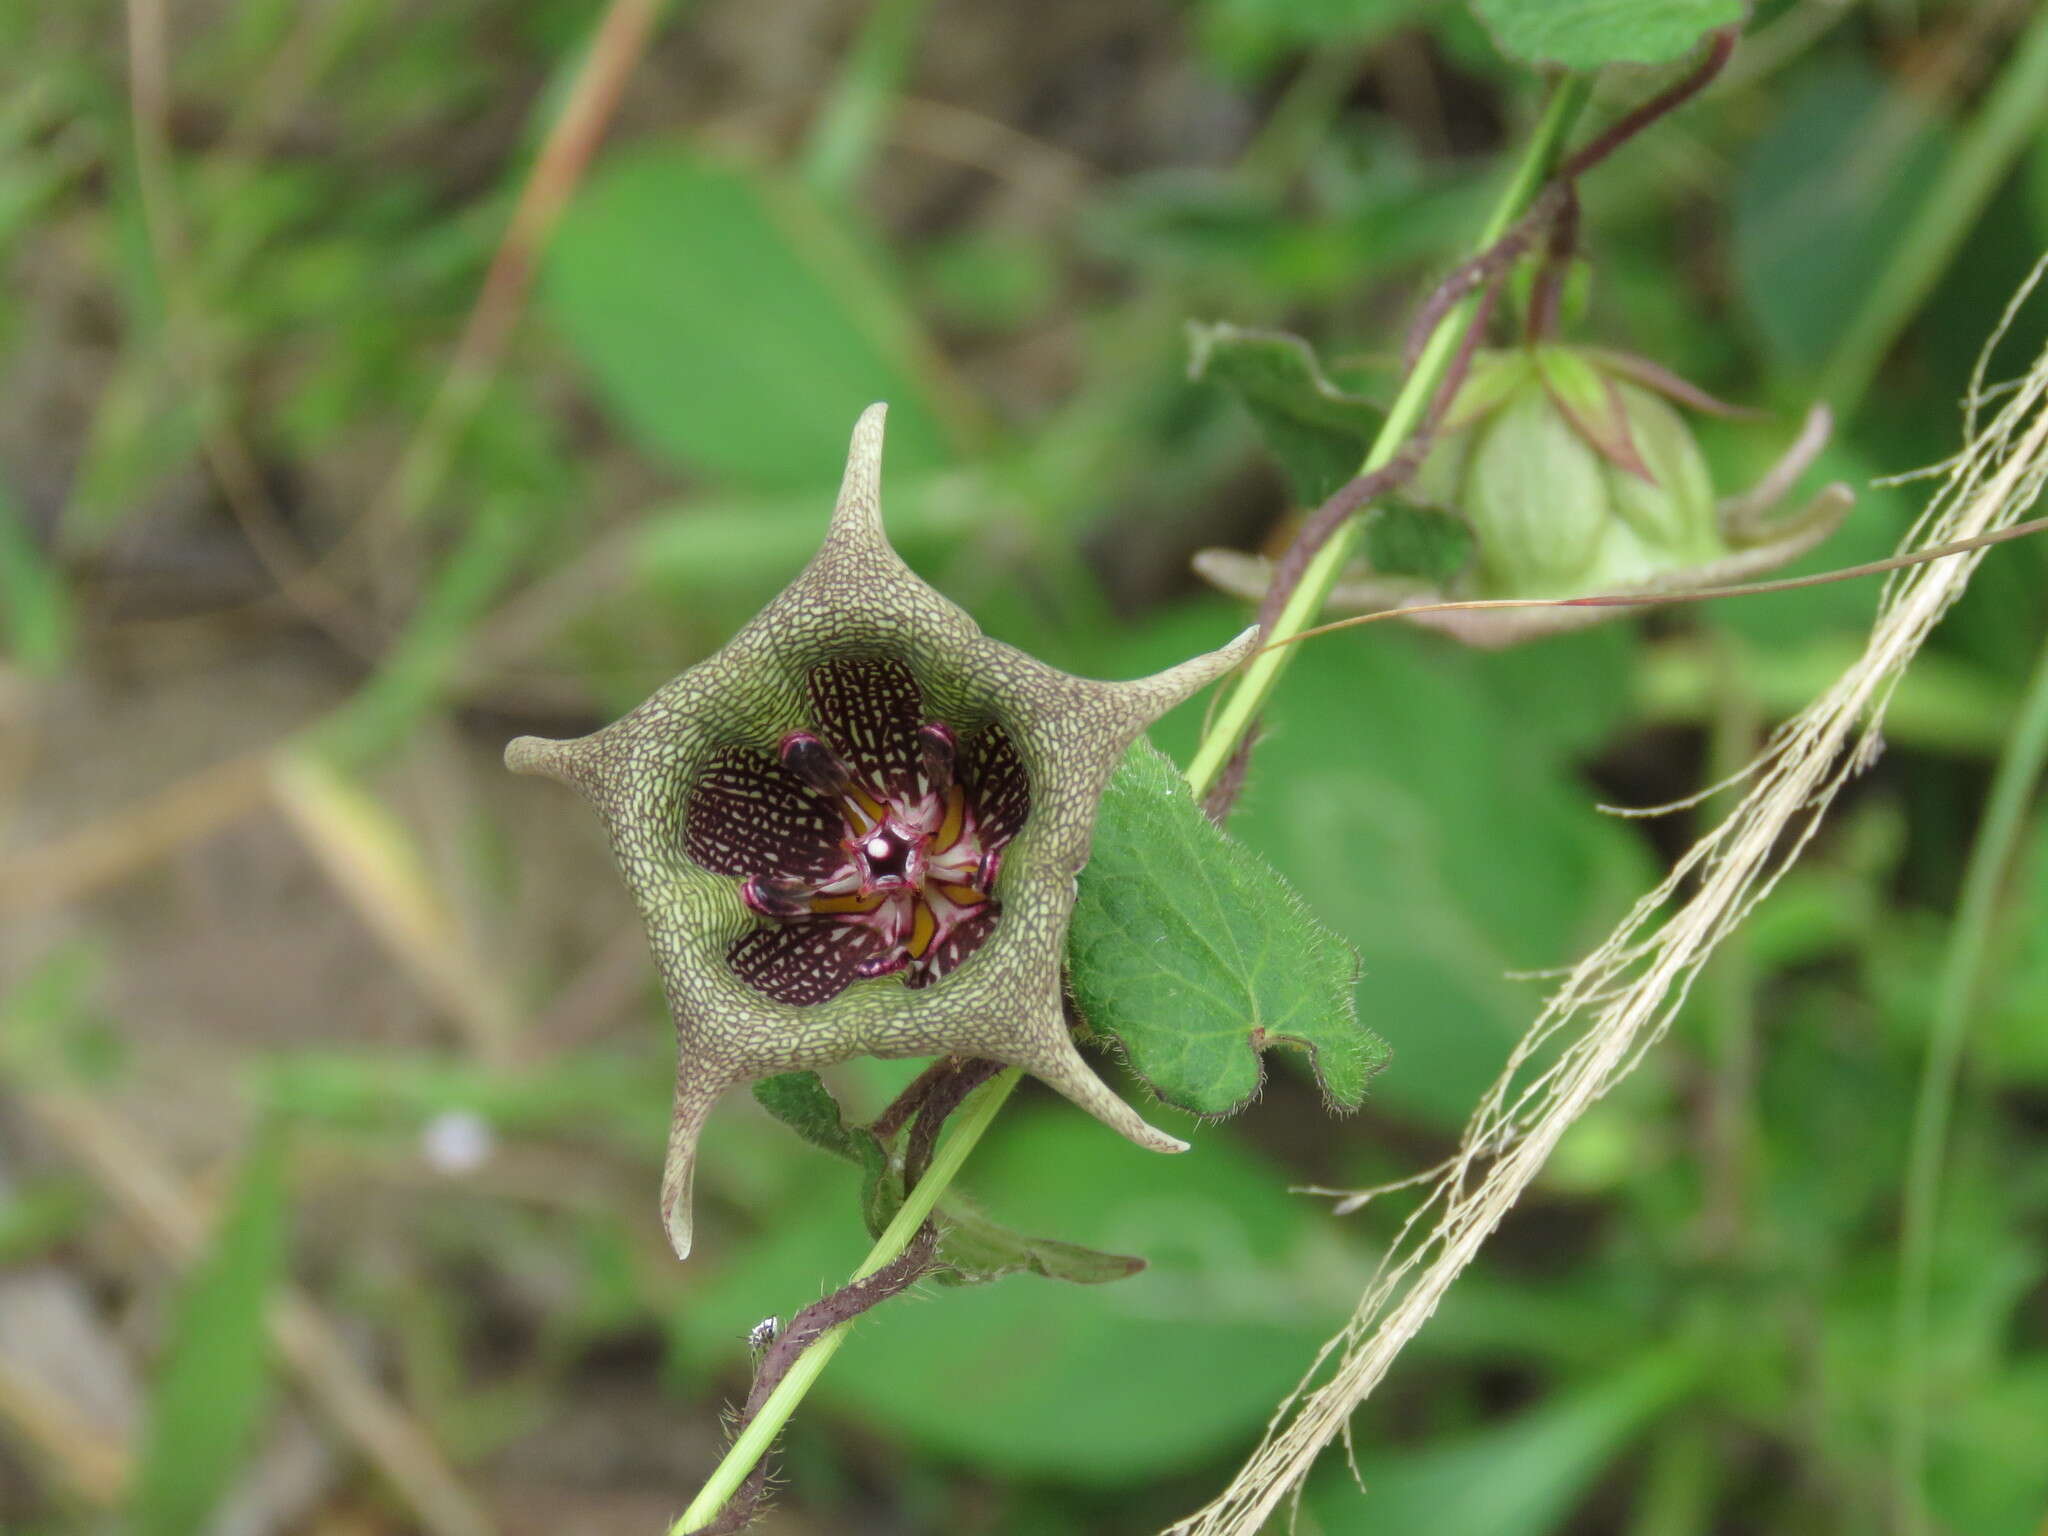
x,y
760,1433
1962,969
1239,710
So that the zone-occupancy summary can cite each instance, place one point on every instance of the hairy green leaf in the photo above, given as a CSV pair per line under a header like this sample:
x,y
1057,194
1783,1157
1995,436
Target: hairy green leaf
x,y
212,1385
1585,34
977,1249
1195,955
801,1101
1317,431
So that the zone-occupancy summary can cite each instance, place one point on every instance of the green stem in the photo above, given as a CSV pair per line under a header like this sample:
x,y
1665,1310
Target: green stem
x,y
1980,160
974,1119
1252,690
1969,941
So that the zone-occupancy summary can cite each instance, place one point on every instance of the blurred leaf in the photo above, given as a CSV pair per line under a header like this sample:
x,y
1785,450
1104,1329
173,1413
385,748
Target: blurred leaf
x,y
2012,1039
51,1030
727,556
412,676
981,280
144,430
1835,1115
35,1217
735,325
603,1095
1251,34
214,1381
1109,1386
1580,1322
1987,1475
1206,228
1193,954
1521,1478
1318,432
35,606
849,127
1585,34
1940,705
1818,200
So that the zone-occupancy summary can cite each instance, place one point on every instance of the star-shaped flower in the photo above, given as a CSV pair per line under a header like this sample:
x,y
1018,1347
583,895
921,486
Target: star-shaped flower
x,y
855,830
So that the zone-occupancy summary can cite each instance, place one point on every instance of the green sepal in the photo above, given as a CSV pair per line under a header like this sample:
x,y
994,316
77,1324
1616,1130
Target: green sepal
x,y
1592,403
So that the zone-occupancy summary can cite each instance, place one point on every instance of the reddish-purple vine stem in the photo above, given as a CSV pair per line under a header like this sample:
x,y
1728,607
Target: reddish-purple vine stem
x,y
1546,294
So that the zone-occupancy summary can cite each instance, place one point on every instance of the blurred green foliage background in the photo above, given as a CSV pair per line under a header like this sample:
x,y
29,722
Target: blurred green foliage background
x,y
302,515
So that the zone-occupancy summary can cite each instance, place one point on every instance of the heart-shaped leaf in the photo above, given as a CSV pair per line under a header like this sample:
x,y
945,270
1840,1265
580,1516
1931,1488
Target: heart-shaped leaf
x,y
1195,955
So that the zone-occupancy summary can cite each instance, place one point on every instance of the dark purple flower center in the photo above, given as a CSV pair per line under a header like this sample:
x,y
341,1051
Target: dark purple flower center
x,y
868,847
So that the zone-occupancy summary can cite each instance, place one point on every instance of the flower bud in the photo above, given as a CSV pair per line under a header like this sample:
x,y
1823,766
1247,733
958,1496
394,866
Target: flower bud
x,y
1572,478
1576,476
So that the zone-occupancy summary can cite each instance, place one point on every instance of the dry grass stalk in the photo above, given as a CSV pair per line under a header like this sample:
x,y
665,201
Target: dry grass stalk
x,y
1617,1003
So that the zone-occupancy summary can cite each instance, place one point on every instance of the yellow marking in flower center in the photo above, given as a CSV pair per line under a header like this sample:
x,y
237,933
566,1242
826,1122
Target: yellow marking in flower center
x,y
924,925
865,805
866,903
965,895
956,817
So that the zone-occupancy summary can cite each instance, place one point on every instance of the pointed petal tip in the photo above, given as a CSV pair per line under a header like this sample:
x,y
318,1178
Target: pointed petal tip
x,y
676,1179
675,1220
540,756
1147,698
1067,1073
695,1095
857,515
